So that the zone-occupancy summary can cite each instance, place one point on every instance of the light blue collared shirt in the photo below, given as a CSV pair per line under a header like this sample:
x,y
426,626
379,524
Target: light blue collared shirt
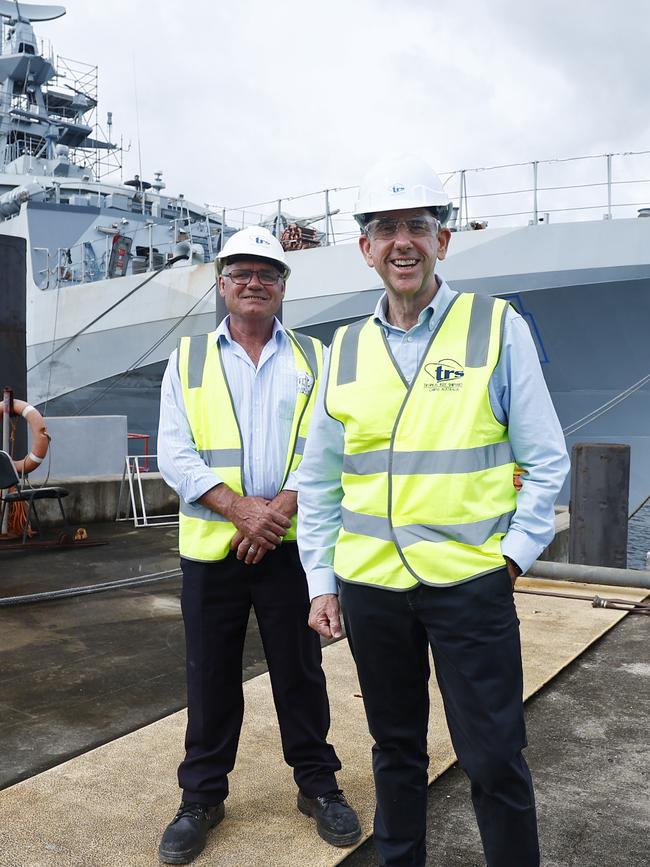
x,y
264,398
519,398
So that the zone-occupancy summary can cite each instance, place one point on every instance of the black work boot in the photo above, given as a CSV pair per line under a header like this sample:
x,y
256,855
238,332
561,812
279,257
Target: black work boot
x,y
336,821
185,836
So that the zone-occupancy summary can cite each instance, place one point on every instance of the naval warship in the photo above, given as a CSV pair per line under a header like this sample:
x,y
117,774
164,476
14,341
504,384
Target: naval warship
x,y
117,272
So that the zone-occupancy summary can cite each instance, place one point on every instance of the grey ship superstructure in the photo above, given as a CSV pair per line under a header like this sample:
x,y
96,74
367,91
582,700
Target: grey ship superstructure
x,y
90,240
108,296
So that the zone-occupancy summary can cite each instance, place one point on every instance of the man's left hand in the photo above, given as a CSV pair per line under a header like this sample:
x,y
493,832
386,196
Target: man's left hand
x,y
246,550
513,569
325,615
285,502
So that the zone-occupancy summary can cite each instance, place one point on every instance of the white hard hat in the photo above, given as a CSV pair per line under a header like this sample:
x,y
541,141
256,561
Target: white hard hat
x,y
400,182
254,241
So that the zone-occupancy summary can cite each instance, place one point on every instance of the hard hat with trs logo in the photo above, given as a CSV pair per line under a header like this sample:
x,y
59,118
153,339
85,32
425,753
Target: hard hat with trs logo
x,y
254,241
398,183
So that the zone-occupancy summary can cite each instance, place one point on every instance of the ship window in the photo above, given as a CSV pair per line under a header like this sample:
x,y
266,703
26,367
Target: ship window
x,y
25,48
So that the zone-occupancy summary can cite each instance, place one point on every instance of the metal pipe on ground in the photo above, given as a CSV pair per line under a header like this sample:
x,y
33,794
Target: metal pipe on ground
x,y
590,574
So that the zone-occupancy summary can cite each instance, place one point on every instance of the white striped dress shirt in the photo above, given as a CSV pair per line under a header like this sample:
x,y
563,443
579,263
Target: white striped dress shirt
x,y
264,398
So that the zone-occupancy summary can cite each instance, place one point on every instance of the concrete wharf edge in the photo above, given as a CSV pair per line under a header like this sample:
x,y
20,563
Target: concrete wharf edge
x,y
107,808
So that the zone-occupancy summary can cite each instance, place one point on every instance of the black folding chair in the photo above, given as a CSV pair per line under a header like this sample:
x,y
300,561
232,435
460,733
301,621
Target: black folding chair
x,y
24,494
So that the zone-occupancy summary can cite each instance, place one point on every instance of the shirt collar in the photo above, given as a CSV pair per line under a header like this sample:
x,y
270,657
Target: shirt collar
x,y
431,313
223,331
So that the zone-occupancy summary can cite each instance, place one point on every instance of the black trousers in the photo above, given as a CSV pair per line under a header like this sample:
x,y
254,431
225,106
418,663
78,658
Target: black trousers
x,y
216,602
473,632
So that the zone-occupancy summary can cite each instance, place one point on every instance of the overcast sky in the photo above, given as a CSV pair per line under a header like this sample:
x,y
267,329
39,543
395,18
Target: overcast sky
x,y
247,100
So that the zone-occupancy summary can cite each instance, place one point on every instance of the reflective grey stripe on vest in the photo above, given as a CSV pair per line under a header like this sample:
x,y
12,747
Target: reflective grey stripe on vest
x,y
478,336
196,360
475,533
347,371
366,525
430,462
196,510
307,345
300,446
221,457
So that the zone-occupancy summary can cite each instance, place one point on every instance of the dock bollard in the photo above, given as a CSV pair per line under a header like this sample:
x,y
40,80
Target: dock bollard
x,y
600,483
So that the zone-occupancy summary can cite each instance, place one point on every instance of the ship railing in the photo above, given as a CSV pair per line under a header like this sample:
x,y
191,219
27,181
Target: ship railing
x,y
612,185
530,193
83,263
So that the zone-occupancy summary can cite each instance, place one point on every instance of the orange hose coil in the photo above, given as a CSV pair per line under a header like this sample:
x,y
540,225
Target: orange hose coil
x,y
18,519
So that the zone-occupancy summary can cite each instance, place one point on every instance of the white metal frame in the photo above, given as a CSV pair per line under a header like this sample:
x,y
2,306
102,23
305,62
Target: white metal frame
x,y
137,506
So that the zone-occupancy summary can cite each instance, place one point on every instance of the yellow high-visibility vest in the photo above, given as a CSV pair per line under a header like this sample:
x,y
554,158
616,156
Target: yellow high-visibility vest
x,y
427,469
204,534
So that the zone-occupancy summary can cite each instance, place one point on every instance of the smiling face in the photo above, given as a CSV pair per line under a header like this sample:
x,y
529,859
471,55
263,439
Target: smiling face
x,y
406,262
255,300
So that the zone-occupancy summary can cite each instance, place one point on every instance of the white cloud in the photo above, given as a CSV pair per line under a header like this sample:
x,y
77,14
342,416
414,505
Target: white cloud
x,y
246,101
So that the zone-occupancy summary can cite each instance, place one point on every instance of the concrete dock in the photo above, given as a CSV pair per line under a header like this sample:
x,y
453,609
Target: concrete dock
x,y
80,673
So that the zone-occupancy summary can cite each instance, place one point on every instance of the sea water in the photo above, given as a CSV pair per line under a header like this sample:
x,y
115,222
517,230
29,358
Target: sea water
x,y
638,538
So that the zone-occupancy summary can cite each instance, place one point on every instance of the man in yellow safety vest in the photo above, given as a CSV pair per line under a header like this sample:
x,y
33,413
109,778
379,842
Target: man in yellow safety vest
x,y
408,513
235,411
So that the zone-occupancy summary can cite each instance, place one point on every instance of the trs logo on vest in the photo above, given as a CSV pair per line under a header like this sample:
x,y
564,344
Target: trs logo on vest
x,y
447,375
304,381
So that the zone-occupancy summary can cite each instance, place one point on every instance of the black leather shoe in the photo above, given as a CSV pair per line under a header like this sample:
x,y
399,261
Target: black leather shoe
x,y
185,836
336,821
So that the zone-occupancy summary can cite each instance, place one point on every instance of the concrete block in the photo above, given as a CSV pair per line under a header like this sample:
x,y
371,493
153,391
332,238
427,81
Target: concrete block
x,y
84,446
91,500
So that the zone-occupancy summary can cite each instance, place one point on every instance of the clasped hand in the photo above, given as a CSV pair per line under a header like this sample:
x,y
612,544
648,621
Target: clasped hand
x,y
261,526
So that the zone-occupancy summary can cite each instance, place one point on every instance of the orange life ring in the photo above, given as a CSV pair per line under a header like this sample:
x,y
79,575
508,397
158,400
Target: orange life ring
x,y
40,436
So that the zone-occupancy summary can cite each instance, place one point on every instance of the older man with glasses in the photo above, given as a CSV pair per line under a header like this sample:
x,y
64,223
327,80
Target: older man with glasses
x,y
235,411
408,512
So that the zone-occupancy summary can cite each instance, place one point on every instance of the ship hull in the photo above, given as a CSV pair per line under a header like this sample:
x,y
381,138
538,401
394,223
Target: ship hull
x,y
584,290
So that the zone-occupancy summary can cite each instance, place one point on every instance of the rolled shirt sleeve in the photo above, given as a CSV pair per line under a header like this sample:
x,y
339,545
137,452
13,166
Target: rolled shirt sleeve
x,y
291,483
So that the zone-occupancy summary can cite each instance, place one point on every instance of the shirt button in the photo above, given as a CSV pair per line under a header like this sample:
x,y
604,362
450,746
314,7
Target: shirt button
x,y
410,339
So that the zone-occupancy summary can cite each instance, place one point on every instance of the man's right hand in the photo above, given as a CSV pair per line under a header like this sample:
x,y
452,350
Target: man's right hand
x,y
258,521
325,615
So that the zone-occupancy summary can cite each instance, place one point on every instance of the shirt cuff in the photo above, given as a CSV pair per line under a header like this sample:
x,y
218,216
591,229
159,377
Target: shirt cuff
x,y
291,483
519,548
196,487
321,580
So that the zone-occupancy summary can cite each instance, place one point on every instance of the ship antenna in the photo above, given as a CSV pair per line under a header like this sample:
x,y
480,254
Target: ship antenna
x,y
137,126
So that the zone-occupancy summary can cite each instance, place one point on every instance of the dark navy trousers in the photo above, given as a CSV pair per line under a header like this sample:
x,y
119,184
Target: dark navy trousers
x,y
473,632
216,601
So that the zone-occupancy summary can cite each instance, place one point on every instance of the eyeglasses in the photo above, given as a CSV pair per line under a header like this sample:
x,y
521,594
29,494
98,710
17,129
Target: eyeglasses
x,y
385,228
243,278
